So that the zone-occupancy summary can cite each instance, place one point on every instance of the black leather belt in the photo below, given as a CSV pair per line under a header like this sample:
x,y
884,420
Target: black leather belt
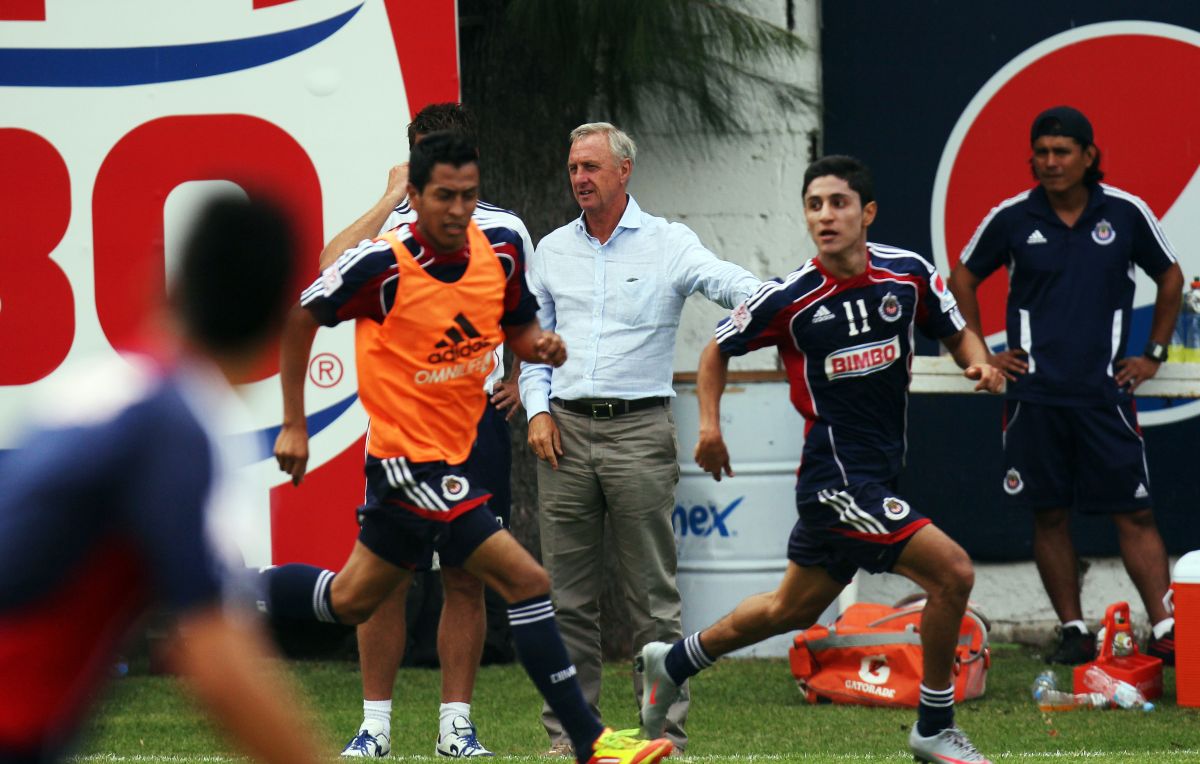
x,y
608,408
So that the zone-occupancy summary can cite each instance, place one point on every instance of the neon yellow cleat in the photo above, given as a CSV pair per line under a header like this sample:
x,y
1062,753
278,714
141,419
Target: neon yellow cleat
x,y
624,747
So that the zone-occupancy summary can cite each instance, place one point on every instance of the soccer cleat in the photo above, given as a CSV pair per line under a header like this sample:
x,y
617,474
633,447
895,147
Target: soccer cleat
x,y
461,741
1163,648
950,746
1073,648
624,747
658,689
368,744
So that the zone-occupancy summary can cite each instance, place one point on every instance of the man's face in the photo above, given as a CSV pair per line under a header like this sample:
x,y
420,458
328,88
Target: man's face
x,y
1060,162
836,217
444,208
597,179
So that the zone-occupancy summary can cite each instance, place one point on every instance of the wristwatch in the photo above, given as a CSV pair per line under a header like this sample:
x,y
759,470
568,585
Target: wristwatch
x,y
1155,352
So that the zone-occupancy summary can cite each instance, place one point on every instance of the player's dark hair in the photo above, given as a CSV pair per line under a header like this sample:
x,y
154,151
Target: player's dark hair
x,y
849,169
439,117
235,280
439,148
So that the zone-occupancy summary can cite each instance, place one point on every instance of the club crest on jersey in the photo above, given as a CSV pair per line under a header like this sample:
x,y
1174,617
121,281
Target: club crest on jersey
x,y
861,360
1103,233
895,509
1013,484
454,487
889,308
331,279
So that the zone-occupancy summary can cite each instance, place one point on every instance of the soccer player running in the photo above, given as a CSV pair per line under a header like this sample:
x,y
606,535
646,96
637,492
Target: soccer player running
x,y
127,500
843,323
424,340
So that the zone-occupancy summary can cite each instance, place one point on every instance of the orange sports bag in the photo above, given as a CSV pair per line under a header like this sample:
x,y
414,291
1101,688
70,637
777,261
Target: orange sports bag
x,y
871,655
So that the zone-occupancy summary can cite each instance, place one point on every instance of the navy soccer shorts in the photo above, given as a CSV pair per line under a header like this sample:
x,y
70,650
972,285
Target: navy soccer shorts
x,y
1059,457
866,526
414,509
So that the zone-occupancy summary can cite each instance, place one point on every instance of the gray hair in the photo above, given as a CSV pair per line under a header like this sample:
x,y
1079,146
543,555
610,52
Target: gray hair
x,y
619,142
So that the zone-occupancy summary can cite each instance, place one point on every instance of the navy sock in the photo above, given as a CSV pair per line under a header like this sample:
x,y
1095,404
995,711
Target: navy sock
x,y
541,651
936,711
686,659
300,592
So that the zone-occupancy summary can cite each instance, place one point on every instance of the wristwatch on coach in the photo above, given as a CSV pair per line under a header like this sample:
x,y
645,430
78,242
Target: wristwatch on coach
x,y
1155,351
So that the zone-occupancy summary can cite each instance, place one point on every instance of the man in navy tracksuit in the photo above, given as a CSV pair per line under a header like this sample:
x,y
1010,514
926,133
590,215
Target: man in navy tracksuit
x,y
1071,434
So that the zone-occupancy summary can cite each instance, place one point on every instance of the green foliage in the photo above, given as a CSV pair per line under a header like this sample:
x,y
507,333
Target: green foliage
x,y
741,709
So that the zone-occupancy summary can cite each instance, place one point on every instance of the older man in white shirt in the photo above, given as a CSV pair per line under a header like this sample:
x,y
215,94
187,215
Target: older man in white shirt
x,y
612,283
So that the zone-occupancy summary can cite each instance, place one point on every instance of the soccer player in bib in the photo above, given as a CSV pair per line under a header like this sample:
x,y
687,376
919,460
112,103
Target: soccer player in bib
x,y
843,323
424,342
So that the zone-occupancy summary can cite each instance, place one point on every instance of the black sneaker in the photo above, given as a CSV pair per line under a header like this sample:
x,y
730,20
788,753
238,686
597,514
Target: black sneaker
x,y
1074,647
1163,648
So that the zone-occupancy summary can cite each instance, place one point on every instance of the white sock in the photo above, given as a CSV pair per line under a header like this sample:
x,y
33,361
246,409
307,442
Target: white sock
x,y
1076,624
1163,627
447,713
377,716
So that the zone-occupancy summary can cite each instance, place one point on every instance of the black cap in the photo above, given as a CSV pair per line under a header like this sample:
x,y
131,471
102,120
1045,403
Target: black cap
x,y
1062,120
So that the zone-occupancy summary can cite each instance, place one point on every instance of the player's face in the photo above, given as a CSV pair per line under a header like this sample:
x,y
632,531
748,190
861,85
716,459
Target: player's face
x,y
1060,162
837,219
597,179
444,208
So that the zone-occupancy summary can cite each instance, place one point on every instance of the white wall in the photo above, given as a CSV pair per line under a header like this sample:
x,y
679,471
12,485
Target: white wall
x,y
740,195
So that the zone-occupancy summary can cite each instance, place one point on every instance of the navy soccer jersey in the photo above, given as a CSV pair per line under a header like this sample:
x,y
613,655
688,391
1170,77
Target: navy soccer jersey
x,y
1071,289
362,282
122,501
846,346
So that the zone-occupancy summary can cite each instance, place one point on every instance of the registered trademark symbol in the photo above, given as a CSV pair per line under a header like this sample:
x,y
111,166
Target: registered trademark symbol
x,y
325,370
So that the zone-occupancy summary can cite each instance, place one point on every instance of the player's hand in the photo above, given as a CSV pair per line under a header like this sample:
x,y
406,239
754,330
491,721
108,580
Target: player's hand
x,y
711,454
550,348
1135,370
291,451
1010,362
506,397
990,378
544,439
397,187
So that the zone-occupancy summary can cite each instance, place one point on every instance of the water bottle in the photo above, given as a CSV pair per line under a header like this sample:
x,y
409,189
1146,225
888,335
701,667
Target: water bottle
x,y
1121,693
1177,348
1191,314
1049,698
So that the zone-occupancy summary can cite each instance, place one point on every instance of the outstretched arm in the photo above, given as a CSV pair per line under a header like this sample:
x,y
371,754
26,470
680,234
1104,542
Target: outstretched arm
x,y
368,226
226,661
711,453
964,285
291,446
971,355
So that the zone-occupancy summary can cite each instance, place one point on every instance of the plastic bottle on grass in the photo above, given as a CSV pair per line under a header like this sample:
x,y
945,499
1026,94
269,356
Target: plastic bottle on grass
x,y
1049,698
1121,693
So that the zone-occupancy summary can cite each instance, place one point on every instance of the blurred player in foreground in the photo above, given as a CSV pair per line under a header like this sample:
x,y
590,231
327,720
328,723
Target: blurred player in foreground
x,y
125,500
843,324
424,340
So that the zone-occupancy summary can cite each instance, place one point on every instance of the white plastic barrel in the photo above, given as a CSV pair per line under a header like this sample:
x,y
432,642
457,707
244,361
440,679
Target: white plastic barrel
x,y
732,535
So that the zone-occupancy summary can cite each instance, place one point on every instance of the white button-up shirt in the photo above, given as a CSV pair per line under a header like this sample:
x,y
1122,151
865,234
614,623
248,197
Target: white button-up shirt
x,y
617,305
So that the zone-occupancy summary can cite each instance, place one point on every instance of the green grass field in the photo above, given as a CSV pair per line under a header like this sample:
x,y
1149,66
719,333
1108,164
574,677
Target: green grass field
x,y
742,710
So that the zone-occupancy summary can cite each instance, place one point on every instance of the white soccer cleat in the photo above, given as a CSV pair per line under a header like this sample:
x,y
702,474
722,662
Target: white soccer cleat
x,y
368,743
950,746
461,742
658,690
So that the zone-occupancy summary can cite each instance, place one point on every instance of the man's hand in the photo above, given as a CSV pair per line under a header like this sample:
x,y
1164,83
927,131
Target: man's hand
x,y
550,349
397,186
506,397
291,451
1135,370
544,439
1010,363
711,454
990,378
